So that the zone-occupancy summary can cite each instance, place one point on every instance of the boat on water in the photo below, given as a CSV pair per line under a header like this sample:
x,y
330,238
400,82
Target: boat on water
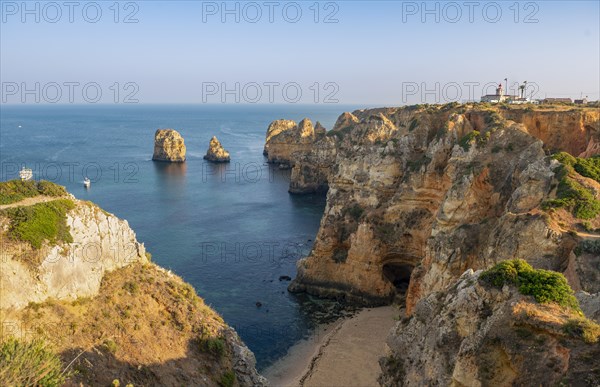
x,y
26,174
87,183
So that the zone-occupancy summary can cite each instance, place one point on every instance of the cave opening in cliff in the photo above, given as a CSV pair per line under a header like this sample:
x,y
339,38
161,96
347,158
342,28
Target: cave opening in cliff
x,y
399,275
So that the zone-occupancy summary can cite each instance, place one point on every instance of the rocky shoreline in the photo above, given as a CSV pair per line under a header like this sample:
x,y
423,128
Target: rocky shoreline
x,y
419,195
478,222
110,313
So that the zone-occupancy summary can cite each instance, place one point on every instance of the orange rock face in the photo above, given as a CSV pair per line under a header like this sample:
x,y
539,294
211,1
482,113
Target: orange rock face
x,y
418,195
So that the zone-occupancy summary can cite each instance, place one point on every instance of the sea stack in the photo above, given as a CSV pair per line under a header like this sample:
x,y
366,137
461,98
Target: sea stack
x,y
216,153
168,146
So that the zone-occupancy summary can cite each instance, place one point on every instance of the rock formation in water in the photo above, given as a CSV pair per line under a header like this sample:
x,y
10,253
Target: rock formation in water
x,y
76,276
216,153
168,146
285,140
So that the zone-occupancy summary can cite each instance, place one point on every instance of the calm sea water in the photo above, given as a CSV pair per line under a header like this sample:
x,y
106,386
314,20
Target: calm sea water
x,y
230,230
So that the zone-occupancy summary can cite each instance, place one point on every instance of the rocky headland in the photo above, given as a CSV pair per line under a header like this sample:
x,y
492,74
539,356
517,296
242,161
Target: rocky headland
x,y
421,199
216,153
168,146
286,139
75,277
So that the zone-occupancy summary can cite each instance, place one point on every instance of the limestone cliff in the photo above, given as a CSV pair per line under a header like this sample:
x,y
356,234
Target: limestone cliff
x,y
476,335
285,140
216,153
417,195
168,146
77,276
101,243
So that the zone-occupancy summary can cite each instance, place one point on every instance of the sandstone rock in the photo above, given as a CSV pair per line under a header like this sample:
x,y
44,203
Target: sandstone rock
x,y
244,362
417,195
101,243
216,153
285,139
168,146
474,335
320,130
306,129
590,304
275,128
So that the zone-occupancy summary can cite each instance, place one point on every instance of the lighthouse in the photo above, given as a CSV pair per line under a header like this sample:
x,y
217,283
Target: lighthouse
x,y
500,91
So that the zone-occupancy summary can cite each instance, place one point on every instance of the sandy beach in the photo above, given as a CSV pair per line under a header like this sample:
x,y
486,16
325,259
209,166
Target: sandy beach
x,y
344,353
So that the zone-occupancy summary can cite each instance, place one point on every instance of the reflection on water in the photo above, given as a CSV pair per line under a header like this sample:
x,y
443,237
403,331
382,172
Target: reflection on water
x,y
170,170
170,177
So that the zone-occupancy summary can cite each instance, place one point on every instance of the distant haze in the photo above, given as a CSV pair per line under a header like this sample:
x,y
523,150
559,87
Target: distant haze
x,y
371,53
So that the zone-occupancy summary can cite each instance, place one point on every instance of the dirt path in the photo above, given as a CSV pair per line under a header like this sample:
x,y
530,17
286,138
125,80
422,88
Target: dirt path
x,y
588,236
348,355
30,201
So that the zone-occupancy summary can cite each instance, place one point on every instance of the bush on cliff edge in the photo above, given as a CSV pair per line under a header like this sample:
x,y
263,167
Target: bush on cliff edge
x,y
30,364
42,221
570,193
13,191
544,285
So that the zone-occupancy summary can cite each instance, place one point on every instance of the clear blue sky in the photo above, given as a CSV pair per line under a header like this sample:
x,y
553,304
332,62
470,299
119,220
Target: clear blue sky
x,y
371,53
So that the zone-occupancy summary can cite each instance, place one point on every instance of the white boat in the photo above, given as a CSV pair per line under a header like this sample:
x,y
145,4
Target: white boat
x,y
26,174
87,183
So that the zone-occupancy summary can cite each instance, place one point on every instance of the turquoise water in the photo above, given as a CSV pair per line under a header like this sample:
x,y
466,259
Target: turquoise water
x,y
230,230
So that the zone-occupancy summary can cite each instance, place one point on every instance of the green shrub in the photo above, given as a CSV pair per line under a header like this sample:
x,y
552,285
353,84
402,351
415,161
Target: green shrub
x,y
468,139
416,165
584,328
355,212
585,167
413,125
587,226
340,133
16,190
588,246
50,189
30,364
227,379
43,221
213,345
544,285
111,346
570,194
13,191
131,287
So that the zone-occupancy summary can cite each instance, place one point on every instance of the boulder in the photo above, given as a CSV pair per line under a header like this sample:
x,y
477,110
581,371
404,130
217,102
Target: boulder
x,y
168,146
216,153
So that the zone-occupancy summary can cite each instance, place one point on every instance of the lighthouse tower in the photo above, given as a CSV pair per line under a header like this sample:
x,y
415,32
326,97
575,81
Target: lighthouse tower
x,y
500,90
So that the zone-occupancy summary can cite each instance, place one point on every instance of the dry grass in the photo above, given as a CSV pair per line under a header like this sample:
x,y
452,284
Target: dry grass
x,y
144,319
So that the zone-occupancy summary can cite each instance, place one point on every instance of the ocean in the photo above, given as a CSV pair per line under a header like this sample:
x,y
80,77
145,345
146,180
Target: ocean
x,y
229,230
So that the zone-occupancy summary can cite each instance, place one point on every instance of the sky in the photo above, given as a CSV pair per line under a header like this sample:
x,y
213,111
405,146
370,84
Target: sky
x,y
347,52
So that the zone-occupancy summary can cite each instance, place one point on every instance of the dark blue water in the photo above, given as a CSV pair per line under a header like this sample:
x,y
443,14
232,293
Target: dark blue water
x,y
229,230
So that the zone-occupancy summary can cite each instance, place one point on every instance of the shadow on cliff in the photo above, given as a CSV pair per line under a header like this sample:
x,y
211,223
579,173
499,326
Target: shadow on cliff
x,y
99,366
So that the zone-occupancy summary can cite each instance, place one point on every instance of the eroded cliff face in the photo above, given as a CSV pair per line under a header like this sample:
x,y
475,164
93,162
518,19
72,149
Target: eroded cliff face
x,y
475,335
101,243
561,129
168,146
418,195
286,140
109,312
